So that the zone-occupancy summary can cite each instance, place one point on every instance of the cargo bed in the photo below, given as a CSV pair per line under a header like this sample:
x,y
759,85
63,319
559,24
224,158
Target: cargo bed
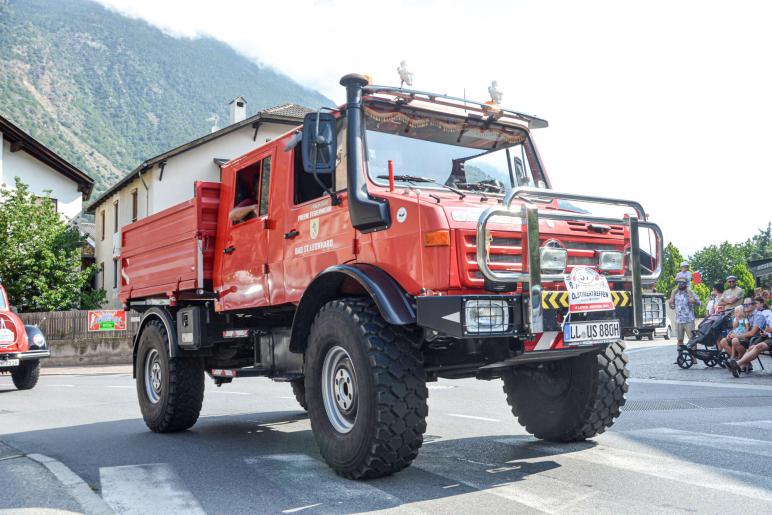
x,y
172,251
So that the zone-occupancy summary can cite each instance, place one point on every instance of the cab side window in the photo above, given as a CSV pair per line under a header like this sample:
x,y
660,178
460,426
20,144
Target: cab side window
x,y
265,185
306,187
247,191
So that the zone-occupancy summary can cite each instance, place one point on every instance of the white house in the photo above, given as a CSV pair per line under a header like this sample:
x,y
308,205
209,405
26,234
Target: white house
x,y
45,172
168,179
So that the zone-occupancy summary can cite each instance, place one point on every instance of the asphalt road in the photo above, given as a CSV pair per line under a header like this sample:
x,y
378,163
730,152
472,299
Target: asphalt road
x,y
688,441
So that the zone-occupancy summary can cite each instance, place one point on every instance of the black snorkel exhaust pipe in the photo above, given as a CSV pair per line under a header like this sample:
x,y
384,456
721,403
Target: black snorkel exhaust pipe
x,y
367,213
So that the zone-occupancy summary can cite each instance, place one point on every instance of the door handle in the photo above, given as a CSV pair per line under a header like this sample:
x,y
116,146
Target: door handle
x,y
228,250
291,234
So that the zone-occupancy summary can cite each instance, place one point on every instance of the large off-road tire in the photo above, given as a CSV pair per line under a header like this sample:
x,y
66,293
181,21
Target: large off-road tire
x,y
26,375
170,390
572,399
299,390
365,389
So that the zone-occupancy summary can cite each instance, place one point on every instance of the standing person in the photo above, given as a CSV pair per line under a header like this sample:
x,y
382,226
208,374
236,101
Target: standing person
x,y
683,301
733,295
715,295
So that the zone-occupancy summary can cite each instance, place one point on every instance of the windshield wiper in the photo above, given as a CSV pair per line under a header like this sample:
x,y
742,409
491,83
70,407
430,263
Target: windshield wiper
x,y
416,178
480,186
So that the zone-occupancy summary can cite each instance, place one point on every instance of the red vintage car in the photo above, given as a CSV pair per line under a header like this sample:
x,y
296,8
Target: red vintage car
x,y
21,347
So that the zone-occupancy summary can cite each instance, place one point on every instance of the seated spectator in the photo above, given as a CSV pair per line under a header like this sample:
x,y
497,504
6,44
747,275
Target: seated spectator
x,y
732,296
758,326
739,326
715,294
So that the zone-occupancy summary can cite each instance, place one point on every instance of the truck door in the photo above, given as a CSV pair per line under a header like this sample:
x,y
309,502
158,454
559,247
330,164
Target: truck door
x,y
245,255
318,233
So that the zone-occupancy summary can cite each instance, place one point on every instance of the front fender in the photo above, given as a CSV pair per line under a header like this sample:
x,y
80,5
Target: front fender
x,y
392,301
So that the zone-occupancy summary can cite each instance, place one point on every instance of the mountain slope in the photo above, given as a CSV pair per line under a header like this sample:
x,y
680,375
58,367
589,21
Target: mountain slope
x,y
106,91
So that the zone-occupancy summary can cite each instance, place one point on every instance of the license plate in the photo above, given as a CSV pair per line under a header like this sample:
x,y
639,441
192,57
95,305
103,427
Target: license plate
x,y
9,363
590,332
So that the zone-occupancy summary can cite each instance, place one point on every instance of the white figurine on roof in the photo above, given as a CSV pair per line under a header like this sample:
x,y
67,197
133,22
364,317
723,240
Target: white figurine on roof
x,y
495,92
405,75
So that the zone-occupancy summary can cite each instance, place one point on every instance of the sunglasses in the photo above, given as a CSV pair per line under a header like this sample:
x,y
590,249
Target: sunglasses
x,y
747,305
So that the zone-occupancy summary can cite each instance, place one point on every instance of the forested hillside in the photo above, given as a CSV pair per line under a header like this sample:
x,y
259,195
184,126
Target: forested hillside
x,y
106,91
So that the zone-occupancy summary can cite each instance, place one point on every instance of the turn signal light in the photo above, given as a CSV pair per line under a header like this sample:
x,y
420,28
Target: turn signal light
x,y
437,238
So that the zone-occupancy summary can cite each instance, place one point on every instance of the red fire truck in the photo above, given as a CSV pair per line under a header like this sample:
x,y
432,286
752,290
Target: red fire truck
x,y
402,237
21,347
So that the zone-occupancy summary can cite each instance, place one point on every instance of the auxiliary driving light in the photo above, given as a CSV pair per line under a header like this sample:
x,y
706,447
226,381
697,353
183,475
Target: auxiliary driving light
x,y
610,260
553,259
486,316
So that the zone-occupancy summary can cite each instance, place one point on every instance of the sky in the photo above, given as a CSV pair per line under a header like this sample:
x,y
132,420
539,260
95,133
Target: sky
x,y
667,103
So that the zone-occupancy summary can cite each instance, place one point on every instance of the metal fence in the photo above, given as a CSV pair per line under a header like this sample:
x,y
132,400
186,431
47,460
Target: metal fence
x,y
73,325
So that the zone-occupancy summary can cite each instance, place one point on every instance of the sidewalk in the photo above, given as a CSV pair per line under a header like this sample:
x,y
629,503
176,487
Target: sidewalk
x,y
29,484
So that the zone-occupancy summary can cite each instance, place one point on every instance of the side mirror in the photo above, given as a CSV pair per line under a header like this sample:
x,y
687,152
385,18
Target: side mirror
x,y
319,143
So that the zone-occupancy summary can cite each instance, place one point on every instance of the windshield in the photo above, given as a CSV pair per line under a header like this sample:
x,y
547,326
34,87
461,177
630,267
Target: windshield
x,y
471,155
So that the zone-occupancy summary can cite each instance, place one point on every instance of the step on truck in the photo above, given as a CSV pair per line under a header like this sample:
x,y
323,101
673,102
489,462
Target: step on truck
x,y
400,238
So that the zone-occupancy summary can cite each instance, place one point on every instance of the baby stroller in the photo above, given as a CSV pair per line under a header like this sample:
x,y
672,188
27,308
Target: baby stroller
x,y
708,334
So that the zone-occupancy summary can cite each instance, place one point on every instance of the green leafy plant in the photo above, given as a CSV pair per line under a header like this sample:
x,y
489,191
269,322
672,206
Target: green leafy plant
x,y
40,255
670,268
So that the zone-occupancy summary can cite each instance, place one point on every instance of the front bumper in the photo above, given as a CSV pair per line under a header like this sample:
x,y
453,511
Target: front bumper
x,y
446,315
31,354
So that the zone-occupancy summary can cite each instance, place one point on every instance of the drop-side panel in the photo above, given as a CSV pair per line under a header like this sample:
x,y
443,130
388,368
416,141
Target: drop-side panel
x,y
173,250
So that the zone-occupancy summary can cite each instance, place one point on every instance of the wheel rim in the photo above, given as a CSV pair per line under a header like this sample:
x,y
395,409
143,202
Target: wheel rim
x,y
153,376
339,389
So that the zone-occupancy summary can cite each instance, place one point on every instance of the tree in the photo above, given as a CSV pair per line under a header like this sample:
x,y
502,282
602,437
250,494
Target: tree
x,y
40,255
703,292
670,267
715,263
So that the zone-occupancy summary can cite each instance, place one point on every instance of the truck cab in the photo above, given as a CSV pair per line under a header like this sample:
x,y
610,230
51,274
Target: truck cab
x,y
400,238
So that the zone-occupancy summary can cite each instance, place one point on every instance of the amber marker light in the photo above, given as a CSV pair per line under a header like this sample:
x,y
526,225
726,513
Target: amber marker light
x,y
439,238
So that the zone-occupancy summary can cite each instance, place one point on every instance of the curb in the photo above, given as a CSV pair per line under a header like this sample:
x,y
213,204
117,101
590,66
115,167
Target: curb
x,y
89,500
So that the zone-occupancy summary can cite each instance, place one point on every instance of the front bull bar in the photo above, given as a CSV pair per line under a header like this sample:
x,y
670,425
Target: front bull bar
x,y
533,276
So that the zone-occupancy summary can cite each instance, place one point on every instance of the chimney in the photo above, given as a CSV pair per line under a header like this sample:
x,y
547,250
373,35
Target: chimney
x,y
237,110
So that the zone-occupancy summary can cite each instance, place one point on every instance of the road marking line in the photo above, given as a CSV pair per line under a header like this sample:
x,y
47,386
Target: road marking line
x,y
523,481
459,415
59,385
120,386
301,508
151,488
735,385
291,474
230,393
713,441
658,465
759,424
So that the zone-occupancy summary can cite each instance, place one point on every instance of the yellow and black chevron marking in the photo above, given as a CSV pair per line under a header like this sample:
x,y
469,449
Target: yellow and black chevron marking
x,y
559,299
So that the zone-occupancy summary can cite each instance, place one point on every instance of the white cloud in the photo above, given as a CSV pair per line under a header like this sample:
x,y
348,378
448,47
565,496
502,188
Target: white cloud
x,y
664,102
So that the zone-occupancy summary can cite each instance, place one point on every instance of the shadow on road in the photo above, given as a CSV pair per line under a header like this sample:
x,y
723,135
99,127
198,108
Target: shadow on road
x,y
271,460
